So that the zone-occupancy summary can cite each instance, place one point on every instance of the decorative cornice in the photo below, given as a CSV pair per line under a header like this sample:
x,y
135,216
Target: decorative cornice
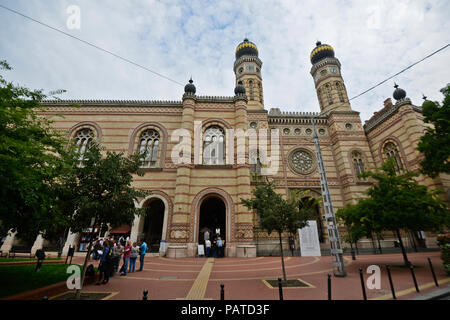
x,y
240,97
290,117
118,103
387,112
324,62
247,59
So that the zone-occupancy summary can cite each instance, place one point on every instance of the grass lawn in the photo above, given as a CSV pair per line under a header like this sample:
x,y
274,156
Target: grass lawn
x,y
24,259
17,279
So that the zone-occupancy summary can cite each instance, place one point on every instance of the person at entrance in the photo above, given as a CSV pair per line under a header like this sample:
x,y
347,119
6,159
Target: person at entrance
x,y
206,235
142,251
219,247
208,246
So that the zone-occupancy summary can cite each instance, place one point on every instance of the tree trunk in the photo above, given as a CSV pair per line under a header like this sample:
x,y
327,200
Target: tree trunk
x,y
282,258
405,258
83,272
373,244
379,243
413,241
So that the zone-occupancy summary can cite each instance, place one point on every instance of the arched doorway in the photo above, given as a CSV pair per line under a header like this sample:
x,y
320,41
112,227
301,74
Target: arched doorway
x,y
308,203
153,223
212,219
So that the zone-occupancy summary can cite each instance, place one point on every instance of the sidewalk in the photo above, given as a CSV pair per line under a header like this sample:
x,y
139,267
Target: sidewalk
x,y
245,278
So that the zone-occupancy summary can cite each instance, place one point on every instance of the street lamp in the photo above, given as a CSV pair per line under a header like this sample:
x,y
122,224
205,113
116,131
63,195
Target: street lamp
x,y
333,234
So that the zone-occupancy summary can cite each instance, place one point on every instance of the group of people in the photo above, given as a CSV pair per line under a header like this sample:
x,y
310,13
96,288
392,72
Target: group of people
x,y
214,248
111,252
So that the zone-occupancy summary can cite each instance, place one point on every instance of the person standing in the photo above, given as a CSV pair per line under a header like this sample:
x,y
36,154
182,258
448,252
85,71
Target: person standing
x,y
105,262
208,246
206,235
133,256
219,247
126,257
117,253
142,251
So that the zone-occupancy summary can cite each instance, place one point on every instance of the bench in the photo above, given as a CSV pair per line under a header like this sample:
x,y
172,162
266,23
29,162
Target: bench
x,y
3,254
20,249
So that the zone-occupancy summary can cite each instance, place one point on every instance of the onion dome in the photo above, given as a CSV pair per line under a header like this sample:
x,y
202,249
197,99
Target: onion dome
x,y
240,89
246,48
399,93
321,51
190,88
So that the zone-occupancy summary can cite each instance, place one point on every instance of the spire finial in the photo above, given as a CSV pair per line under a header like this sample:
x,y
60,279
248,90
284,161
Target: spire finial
x,y
424,97
395,85
190,80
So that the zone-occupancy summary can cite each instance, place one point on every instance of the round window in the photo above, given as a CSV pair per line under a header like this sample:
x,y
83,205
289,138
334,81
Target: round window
x,y
308,131
286,131
302,161
348,126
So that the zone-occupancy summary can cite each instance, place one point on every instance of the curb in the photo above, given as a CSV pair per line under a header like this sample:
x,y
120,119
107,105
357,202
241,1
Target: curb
x,y
435,295
18,263
50,290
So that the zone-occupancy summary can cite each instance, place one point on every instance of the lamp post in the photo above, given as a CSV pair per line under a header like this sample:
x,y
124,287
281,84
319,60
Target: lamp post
x,y
330,218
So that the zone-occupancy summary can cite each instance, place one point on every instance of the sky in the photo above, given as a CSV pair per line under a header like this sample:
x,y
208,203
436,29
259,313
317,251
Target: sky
x,y
373,39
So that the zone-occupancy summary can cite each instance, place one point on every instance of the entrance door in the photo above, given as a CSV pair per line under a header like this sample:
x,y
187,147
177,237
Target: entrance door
x,y
153,224
212,219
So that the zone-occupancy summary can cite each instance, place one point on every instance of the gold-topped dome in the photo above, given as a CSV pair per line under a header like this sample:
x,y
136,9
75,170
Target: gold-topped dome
x,y
246,48
321,51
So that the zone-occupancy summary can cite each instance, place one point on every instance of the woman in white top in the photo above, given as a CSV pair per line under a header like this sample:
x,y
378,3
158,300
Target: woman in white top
x,y
208,246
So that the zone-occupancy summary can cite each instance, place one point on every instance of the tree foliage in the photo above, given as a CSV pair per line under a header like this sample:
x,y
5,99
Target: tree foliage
x,y
435,143
278,214
30,162
394,202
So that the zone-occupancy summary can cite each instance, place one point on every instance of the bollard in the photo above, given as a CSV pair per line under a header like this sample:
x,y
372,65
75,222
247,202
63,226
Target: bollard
x,y
222,292
353,255
362,284
432,272
390,281
280,288
411,267
329,286
145,297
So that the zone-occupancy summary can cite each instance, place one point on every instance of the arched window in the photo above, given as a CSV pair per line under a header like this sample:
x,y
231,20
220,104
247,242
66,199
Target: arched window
x,y
391,151
250,85
319,95
330,99
148,147
358,163
82,140
214,146
339,90
255,162
260,92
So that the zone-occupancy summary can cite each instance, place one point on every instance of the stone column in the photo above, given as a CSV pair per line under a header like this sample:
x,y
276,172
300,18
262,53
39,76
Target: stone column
x,y
243,218
182,205
9,241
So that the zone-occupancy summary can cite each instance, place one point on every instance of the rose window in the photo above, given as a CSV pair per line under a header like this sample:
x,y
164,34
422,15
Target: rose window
x,y
302,161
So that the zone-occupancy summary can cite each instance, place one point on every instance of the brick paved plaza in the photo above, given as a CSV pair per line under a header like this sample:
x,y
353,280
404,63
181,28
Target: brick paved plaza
x,y
200,278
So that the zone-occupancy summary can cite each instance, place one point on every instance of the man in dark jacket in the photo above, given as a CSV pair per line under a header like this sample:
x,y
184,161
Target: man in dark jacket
x,y
105,264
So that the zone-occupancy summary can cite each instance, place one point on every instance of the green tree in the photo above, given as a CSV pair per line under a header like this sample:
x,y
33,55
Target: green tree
x,y
435,143
99,192
278,214
395,202
30,162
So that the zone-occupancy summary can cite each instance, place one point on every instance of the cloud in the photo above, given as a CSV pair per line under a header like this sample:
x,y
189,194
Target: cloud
x,y
372,40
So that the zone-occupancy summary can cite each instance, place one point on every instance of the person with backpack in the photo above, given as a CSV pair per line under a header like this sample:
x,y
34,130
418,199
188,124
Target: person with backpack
x,y
208,247
142,251
133,256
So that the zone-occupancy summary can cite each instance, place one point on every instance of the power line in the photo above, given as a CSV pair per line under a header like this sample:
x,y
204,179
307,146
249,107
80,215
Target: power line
x,y
371,88
92,45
